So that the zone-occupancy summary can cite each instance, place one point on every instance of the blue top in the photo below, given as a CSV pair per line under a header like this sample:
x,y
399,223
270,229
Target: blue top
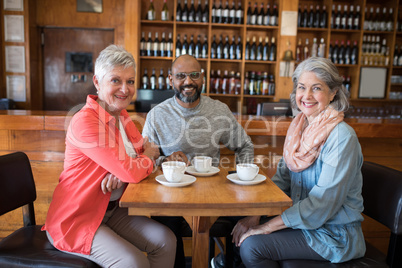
x,y
327,199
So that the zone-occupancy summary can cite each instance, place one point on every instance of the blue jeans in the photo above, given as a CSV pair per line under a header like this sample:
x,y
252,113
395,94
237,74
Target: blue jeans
x,y
266,250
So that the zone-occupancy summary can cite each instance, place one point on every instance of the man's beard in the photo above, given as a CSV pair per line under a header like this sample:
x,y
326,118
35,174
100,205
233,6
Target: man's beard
x,y
183,97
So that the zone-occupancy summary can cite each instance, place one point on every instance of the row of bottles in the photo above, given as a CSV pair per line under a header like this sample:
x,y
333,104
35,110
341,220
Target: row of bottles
x,y
229,83
155,47
164,12
192,13
259,83
226,14
155,83
343,52
196,49
262,51
304,52
375,51
226,50
379,21
311,18
268,17
349,19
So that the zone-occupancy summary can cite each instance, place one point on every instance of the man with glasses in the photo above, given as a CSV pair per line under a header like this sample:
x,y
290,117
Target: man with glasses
x,y
190,124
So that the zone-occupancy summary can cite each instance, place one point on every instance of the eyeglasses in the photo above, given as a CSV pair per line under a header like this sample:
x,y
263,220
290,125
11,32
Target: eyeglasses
x,y
192,75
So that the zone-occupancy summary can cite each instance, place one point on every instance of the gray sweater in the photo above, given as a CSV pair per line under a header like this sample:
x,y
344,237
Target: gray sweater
x,y
201,130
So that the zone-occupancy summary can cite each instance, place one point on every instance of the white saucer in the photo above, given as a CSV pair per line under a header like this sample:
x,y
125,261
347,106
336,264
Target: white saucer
x,y
234,178
186,180
191,170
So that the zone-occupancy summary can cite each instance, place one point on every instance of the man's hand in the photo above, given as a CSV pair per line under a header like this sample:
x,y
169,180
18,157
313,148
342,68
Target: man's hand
x,y
242,227
150,149
110,182
177,156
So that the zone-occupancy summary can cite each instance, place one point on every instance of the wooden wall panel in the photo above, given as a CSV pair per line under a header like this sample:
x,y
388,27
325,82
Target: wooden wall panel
x,y
4,140
32,140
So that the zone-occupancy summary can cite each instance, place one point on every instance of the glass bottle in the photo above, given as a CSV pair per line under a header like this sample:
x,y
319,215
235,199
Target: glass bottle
x,y
260,15
213,47
272,51
232,82
218,13
239,49
356,18
338,15
299,48
169,46
253,19
165,11
324,17
218,82
353,54
152,80
232,49
213,13
238,84
161,81
246,87
232,14
267,16
204,51
350,18
156,45
184,48
390,20
306,50
191,46
348,51
150,51
265,84
249,13
226,48
167,83
321,48
333,15
198,47
253,49
184,12
274,16
271,87
258,84
205,12
225,82
219,48
335,53
225,13
252,83
143,45
314,48
265,53
239,14
317,17
145,80
305,17
212,79
260,48
299,17
344,18
310,21
341,53
178,11
151,11
178,46
162,46
248,47
198,12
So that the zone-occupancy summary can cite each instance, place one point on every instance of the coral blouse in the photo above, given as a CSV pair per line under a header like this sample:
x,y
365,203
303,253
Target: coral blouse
x,y
94,147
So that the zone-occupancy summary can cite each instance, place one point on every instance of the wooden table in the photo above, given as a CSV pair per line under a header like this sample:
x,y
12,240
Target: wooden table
x,y
202,202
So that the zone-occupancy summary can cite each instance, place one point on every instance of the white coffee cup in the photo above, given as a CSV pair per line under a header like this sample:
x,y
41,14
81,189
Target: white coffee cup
x,y
173,170
202,163
247,172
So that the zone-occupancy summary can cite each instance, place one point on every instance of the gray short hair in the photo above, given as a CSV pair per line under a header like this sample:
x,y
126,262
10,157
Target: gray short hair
x,y
326,71
111,57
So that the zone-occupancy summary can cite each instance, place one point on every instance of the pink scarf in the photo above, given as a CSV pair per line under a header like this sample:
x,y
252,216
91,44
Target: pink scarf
x,y
304,141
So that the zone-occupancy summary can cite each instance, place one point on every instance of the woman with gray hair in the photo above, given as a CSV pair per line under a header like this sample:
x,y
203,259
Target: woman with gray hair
x,y
321,172
104,152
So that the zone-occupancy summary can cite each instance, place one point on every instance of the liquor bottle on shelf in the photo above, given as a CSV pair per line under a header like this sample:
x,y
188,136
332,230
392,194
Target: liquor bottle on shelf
x,y
306,50
299,51
178,46
225,82
265,84
198,12
267,16
225,13
333,15
239,48
232,82
247,50
218,82
341,53
239,14
274,16
310,21
143,45
213,47
145,80
155,46
246,87
396,56
178,11
184,47
260,48
386,57
330,50
335,51
249,13
150,51
252,83
272,51
204,51
253,49
191,12
383,20
265,52
314,48
237,84
258,84
151,11
337,22
348,51
299,17
377,20
390,20
191,46
162,46
219,48
152,80
344,18
218,13
356,18
184,12
169,46
232,49
305,17
350,18
347,84
165,11
213,13
324,17
260,15
321,48
370,20
205,12
253,19
212,79
226,47
271,87
198,47
354,53
161,81
167,80
317,17
232,14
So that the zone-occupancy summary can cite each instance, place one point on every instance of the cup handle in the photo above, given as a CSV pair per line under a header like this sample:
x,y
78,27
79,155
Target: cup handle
x,y
258,170
192,162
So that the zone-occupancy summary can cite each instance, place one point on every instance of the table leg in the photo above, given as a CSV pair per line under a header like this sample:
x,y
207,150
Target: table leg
x,y
200,227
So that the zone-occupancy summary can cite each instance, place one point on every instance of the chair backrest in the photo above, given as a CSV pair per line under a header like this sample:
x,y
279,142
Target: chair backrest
x,y
382,193
17,185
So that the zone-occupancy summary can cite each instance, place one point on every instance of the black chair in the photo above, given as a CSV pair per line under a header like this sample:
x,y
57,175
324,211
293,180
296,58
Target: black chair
x,y
28,246
382,193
